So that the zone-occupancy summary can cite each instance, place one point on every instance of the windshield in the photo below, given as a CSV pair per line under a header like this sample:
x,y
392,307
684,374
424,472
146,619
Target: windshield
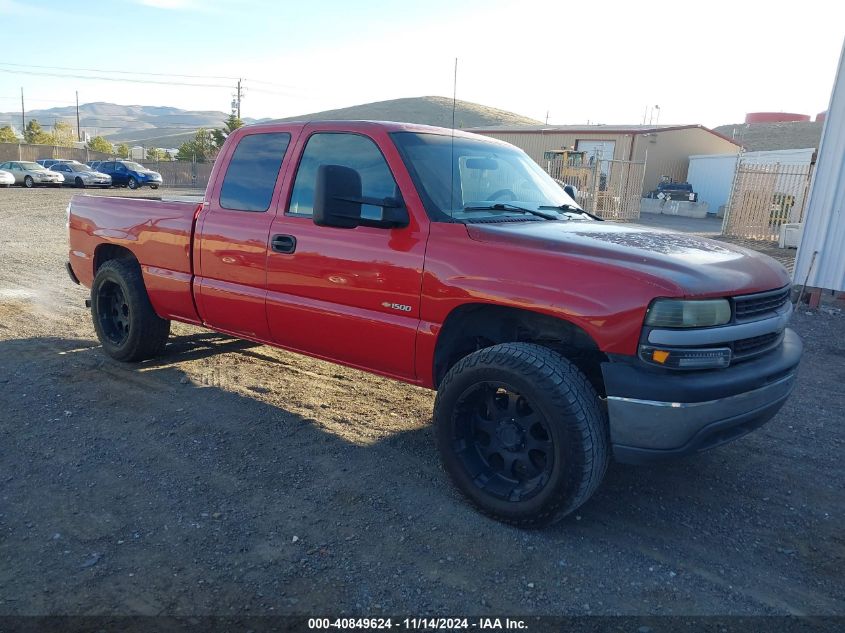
x,y
483,174
31,166
79,167
134,166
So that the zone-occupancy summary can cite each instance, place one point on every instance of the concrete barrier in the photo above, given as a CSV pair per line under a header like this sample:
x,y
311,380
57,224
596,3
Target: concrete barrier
x,y
674,207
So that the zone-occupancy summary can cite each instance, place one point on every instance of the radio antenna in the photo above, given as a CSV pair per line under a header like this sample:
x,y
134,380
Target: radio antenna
x,y
452,155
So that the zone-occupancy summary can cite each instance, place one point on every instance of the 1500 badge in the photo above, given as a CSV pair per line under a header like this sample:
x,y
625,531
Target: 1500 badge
x,y
396,306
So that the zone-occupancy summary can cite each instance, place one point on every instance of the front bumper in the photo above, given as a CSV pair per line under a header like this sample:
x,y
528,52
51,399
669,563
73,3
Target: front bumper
x,y
666,414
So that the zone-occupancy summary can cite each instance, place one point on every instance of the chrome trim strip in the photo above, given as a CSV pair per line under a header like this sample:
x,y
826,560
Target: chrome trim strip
x,y
684,405
724,333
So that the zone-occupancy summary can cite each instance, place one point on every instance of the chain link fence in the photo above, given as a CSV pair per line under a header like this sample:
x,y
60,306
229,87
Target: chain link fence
x,y
764,197
610,189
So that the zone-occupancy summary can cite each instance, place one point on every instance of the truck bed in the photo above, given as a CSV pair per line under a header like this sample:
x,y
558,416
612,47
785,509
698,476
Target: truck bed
x,y
157,232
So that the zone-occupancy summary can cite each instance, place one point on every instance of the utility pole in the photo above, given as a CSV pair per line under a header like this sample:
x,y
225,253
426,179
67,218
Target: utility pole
x,y
78,129
239,98
23,116
547,117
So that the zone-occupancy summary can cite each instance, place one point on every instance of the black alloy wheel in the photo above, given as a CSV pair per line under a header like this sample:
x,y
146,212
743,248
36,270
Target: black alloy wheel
x,y
503,441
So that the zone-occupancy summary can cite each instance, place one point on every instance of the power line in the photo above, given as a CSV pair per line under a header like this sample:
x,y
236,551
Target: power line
x,y
102,78
146,74
119,72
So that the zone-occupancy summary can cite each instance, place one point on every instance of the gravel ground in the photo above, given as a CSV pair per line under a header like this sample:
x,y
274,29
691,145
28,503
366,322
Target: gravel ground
x,y
232,478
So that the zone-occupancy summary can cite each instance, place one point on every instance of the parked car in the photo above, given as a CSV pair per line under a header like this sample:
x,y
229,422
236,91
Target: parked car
x,y
451,261
79,175
671,190
126,173
6,179
29,174
49,162
94,163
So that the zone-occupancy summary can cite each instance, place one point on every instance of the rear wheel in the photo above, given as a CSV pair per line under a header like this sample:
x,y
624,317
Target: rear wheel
x,y
521,433
28,182
78,182
125,322
133,184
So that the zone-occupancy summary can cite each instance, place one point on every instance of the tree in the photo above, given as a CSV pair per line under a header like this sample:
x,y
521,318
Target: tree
x,y
99,144
122,150
63,135
155,154
230,125
201,148
34,133
7,135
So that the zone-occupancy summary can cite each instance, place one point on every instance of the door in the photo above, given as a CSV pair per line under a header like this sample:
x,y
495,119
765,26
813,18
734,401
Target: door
x,y
348,295
119,174
232,237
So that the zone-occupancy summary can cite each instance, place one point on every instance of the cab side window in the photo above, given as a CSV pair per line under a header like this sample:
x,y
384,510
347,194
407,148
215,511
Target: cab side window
x,y
349,150
252,172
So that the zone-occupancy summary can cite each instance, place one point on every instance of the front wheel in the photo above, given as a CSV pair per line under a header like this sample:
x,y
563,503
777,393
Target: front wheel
x,y
78,182
125,322
28,182
153,186
521,433
133,184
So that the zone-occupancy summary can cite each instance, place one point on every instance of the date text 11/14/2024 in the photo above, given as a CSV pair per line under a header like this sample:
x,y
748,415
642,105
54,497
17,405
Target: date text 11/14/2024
x,y
419,624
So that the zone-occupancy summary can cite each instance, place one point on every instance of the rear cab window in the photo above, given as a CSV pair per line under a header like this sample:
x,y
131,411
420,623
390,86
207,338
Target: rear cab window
x,y
252,172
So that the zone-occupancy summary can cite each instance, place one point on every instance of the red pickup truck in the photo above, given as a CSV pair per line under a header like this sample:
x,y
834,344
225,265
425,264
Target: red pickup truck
x,y
452,261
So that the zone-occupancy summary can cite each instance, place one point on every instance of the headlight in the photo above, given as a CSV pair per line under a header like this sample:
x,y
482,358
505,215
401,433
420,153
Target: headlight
x,y
688,313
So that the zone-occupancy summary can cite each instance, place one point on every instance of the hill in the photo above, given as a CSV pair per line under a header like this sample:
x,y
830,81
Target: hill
x,y
424,110
763,136
126,123
162,126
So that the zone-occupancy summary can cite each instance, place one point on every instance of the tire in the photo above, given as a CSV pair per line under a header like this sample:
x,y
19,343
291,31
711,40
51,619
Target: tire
x,y
545,448
124,320
28,182
78,182
132,184
153,186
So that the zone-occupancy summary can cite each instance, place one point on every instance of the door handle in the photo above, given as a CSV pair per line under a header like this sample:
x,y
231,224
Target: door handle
x,y
283,243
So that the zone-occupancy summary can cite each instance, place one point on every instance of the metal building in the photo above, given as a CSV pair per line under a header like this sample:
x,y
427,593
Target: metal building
x,y
665,149
823,240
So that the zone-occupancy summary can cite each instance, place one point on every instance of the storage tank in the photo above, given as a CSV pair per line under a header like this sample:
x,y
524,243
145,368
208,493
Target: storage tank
x,y
775,117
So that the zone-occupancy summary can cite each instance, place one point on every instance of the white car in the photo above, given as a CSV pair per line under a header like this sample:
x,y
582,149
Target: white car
x,y
78,175
6,179
29,174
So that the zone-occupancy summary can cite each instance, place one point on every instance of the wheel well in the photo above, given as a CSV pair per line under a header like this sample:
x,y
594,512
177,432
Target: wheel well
x,y
106,252
476,326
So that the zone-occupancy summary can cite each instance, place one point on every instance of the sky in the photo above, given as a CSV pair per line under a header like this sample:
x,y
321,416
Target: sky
x,y
577,62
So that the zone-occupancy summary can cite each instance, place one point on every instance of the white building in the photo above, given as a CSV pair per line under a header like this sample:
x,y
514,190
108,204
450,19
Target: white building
x,y
712,175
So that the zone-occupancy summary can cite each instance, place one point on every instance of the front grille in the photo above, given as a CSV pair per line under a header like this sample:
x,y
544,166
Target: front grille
x,y
751,306
747,347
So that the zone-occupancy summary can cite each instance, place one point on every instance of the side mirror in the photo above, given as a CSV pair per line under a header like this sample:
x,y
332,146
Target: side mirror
x,y
338,201
337,195
571,191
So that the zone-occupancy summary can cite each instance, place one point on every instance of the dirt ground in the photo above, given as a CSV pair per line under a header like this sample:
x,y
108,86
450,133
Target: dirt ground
x,y
231,478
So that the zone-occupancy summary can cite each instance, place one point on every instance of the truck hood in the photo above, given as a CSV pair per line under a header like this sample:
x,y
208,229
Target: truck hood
x,y
685,263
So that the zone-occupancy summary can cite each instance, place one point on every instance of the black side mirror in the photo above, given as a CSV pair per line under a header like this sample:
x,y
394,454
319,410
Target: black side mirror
x,y
338,201
571,191
337,195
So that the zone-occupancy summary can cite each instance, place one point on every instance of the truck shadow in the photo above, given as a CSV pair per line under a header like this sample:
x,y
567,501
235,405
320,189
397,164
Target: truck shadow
x,y
98,451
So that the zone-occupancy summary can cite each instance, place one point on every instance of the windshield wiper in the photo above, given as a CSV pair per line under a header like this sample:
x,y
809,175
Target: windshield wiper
x,y
507,206
568,208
